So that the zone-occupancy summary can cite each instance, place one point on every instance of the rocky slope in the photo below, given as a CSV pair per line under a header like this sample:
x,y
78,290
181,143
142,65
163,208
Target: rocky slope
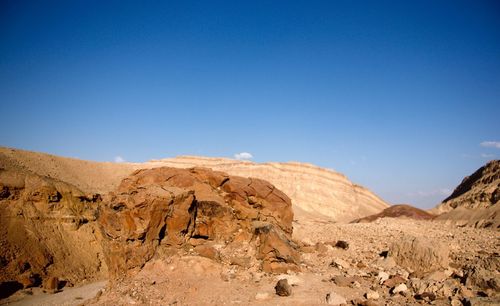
x,y
475,201
315,192
88,176
479,190
47,228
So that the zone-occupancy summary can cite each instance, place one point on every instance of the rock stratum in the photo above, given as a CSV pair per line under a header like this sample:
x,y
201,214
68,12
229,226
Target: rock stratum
x,y
316,192
475,201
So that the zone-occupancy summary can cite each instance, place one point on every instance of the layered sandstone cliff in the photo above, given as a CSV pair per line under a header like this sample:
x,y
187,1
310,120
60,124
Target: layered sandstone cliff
x,y
314,191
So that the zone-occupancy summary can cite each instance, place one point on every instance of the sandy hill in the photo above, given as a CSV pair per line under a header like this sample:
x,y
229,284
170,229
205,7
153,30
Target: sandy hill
x,y
475,201
315,192
88,176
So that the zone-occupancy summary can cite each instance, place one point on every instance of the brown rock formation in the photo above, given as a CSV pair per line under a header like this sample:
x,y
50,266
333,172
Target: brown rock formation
x,y
398,211
475,201
161,208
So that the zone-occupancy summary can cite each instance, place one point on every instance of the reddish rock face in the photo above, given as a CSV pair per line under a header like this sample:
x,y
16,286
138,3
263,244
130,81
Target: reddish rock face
x,y
171,208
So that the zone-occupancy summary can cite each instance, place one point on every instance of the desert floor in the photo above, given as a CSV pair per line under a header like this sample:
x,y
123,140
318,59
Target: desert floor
x,y
347,275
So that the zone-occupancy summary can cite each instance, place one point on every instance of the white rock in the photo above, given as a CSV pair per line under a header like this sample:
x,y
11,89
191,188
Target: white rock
x,y
448,272
333,298
372,295
262,296
382,277
455,302
399,288
437,276
307,241
404,274
257,276
340,263
386,263
355,284
293,280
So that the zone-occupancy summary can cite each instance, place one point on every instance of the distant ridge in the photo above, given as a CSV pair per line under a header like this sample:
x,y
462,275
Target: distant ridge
x,y
315,192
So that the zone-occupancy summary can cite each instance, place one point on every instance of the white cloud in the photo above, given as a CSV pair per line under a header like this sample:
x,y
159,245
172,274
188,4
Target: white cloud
x,y
490,144
243,156
432,193
445,191
484,155
119,159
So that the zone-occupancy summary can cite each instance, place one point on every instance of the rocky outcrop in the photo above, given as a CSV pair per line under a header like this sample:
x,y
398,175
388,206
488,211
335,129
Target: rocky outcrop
x,y
477,191
316,192
398,211
475,201
160,210
47,229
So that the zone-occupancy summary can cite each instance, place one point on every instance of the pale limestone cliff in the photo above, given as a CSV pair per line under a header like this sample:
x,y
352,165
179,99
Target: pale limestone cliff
x,y
314,191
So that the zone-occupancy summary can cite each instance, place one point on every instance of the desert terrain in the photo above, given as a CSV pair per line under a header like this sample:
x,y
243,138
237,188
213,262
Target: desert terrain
x,y
213,231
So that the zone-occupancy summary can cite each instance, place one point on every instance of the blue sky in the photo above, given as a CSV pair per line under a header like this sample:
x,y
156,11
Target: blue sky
x,y
397,95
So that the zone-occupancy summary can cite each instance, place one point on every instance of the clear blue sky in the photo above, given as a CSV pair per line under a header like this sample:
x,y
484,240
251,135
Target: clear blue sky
x,y
397,95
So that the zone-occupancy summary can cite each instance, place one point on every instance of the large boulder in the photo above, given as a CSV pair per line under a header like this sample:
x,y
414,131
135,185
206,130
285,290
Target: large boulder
x,y
168,208
420,255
